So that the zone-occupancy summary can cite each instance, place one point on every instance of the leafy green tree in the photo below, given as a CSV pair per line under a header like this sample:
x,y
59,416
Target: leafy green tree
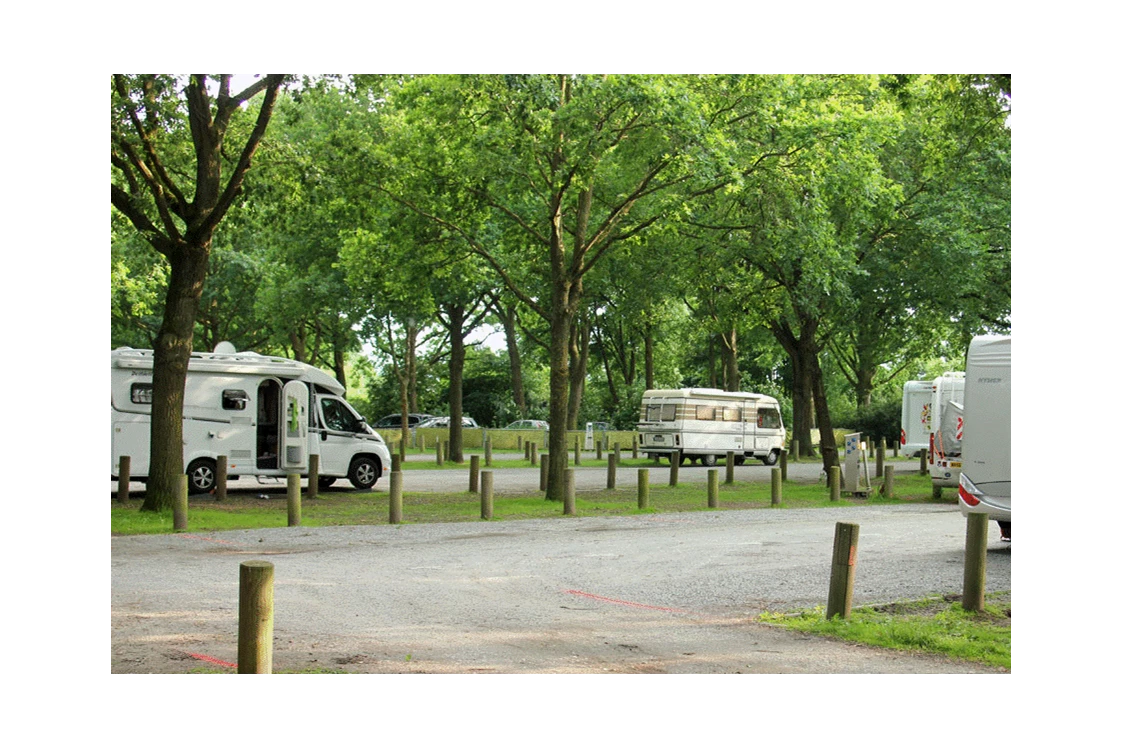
x,y
168,151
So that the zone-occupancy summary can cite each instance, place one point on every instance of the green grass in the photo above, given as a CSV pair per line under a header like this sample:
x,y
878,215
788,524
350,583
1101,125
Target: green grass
x,y
936,625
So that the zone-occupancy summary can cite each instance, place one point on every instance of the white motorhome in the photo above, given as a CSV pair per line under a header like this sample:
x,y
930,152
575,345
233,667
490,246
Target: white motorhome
x,y
946,430
264,413
703,424
984,482
916,417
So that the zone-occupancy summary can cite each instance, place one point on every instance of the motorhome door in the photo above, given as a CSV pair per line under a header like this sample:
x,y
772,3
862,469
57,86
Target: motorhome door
x,y
294,428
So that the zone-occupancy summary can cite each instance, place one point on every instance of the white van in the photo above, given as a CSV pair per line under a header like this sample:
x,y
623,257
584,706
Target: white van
x,y
946,429
984,482
703,424
264,413
916,417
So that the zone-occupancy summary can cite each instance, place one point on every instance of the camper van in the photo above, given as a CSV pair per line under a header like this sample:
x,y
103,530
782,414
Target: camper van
x,y
265,414
916,417
984,482
703,424
946,430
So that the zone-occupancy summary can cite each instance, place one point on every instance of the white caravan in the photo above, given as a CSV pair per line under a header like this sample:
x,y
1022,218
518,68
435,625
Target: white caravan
x,y
984,483
946,430
916,417
265,414
704,424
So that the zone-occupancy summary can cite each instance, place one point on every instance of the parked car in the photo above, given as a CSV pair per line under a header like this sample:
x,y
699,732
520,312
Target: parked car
x,y
530,425
442,422
394,420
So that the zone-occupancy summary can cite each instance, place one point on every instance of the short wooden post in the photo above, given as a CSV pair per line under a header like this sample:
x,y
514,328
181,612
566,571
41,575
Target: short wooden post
x,y
611,471
446,447
570,491
526,451
421,442
577,451
835,481
293,496
124,467
936,491
635,447
711,488
674,468
600,450
795,450
887,483
255,618
642,487
474,474
880,458
544,472
440,452
730,464
179,506
844,560
487,452
975,562
924,462
486,489
396,497
777,487
616,451
519,437
533,453
783,464
896,447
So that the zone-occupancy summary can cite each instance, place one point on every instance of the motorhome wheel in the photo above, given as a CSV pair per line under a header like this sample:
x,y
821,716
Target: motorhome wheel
x,y
323,482
771,457
201,475
709,460
364,472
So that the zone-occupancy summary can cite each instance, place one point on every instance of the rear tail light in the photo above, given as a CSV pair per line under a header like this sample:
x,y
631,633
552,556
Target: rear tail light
x,y
968,493
903,437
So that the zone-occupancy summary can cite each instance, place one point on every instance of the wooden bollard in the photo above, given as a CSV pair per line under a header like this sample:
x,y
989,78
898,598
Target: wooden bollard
x,y
520,441
896,447
487,452
975,562
293,496
486,490
255,618
526,451
124,466
440,452
730,465
845,559
777,486
887,483
835,481
600,450
880,470
674,468
313,476
795,450
570,492
421,442
533,453
611,471
577,451
642,487
783,464
635,447
396,497
474,474
616,451
544,472
221,474
711,488
179,505
924,461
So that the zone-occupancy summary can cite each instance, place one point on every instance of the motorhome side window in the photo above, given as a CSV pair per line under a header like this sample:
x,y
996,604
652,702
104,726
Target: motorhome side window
x,y
141,393
731,414
706,413
768,418
668,413
234,399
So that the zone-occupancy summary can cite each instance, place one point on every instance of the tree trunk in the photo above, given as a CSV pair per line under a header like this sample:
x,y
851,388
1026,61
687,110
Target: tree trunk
x,y
456,317
578,369
648,358
171,352
731,370
507,314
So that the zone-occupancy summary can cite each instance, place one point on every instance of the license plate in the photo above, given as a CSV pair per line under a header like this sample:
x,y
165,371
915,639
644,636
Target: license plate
x,y
658,437
956,464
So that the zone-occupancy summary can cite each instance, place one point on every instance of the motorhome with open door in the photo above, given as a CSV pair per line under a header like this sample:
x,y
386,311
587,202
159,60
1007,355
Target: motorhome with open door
x,y
703,424
266,414
946,430
916,417
984,482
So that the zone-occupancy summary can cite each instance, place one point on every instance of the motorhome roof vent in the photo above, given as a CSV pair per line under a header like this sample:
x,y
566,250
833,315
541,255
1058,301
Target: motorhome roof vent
x,y
225,347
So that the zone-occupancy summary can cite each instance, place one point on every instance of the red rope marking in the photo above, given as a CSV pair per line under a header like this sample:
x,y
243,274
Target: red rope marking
x,y
623,602
206,658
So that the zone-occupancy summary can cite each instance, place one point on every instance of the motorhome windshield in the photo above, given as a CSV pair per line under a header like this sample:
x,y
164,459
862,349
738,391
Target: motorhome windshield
x,y
660,412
